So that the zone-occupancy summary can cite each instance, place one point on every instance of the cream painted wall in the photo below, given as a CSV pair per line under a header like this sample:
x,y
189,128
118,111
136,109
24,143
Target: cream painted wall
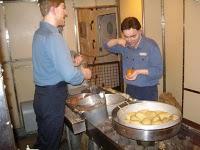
x,y
173,35
131,8
152,25
174,47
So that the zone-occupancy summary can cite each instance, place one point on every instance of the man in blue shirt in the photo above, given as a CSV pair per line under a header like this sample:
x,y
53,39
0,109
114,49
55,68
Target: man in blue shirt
x,y
53,69
141,54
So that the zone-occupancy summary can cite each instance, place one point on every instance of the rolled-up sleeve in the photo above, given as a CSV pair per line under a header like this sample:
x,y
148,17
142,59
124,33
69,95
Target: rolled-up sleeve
x,y
114,49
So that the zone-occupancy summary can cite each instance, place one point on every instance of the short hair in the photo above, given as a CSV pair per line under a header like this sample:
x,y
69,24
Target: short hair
x,y
130,22
45,5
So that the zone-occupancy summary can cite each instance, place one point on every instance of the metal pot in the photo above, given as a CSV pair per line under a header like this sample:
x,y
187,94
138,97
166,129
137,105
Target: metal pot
x,y
91,106
96,111
145,132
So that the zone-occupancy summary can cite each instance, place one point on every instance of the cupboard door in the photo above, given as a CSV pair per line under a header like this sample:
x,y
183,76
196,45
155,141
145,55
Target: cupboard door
x,y
191,64
192,53
191,106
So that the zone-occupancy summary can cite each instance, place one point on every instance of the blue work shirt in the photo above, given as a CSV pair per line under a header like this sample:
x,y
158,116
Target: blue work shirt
x,y
146,56
51,58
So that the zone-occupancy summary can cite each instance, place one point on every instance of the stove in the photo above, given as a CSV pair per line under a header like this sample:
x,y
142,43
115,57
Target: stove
x,y
107,138
182,141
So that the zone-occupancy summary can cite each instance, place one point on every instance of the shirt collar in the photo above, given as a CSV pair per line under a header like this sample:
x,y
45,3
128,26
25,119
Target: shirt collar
x,y
49,26
141,41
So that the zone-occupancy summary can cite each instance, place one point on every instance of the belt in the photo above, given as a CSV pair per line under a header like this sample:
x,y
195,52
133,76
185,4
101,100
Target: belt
x,y
59,84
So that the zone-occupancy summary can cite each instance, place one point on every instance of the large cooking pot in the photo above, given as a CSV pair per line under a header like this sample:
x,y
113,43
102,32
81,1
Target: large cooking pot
x,y
145,132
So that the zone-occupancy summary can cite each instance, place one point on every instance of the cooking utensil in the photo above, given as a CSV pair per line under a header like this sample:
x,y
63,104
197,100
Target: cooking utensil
x,y
145,132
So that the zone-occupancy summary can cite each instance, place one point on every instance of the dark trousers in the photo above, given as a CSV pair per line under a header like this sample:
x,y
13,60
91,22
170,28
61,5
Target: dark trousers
x,y
143,93
49,105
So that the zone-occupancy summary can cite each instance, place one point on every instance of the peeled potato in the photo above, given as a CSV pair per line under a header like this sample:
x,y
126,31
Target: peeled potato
x,y
165,120
174,117
150,114
163,115
146,121
133,118
140,115
128,116
155,119
149,117
137,122
158,122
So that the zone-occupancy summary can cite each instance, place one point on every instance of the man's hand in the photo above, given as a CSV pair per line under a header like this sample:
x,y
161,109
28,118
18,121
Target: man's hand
x,y
78,59
132,76
121,42
136,73
86,72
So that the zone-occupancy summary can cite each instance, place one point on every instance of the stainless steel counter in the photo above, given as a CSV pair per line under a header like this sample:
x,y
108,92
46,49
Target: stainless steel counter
x,y
106,137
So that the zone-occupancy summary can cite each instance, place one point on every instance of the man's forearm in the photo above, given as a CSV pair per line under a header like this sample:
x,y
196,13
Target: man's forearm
x,y
112,42
143,71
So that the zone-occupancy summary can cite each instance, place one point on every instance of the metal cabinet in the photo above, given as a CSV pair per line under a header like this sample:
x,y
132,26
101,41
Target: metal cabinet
x,y
7,138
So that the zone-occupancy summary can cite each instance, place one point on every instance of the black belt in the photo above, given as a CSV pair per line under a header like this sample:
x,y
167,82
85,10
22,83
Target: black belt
x,y
59,84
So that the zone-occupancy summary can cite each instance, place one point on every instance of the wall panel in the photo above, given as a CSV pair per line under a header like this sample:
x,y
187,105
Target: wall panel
x,y
191,106
152,25
21,20
191,68
131,8
192,50
173,11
